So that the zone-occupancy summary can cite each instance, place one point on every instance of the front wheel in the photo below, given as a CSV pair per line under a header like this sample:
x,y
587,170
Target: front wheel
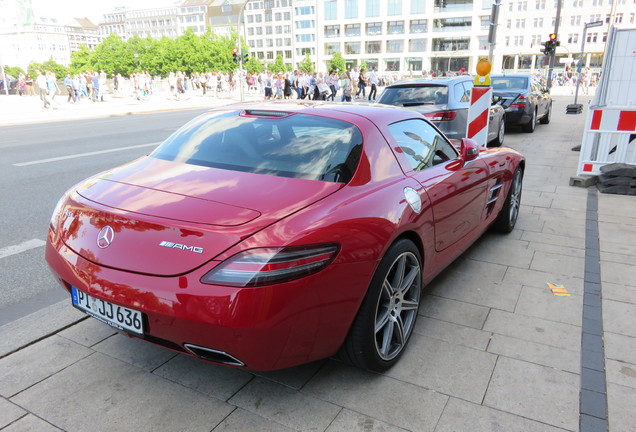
x,y
385,321
509,213
501,132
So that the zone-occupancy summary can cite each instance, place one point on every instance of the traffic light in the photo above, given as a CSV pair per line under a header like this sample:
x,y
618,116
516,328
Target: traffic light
x,y
245,55
235,55
549,46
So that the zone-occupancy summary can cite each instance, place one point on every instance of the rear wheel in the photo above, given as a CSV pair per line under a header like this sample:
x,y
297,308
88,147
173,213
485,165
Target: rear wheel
x,y
508,215
385,321
529,127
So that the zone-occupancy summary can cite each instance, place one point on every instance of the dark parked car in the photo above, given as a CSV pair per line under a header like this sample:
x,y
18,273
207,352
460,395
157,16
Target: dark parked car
x,y
445,102
525,99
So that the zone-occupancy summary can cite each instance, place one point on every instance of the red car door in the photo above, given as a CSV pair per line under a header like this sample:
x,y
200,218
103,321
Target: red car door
x,y
457,190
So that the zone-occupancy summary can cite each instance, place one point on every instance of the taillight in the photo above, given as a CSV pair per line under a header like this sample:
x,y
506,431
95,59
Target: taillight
x,y
268,266
520,102
441,115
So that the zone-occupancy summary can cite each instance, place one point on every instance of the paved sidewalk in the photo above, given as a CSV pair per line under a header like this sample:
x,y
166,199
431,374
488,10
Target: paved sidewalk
x,y
15,110
493,349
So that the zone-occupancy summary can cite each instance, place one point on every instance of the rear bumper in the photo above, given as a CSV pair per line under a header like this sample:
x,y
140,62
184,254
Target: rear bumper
x,y
264,328
517,116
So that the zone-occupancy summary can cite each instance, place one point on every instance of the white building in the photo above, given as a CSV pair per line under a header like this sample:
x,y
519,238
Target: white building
x,y
411,36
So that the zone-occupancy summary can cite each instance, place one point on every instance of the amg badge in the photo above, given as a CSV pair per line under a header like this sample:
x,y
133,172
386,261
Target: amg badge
x,y
172,245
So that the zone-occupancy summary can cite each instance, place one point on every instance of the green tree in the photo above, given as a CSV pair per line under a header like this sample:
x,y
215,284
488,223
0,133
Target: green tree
x,y
254,65
278,66
306,65
81,60
14,71
59,70
337,63
114,56
363,65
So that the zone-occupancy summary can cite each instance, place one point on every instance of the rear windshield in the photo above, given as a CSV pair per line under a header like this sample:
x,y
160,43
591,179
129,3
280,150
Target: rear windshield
x,y
297,146
413,96
505,83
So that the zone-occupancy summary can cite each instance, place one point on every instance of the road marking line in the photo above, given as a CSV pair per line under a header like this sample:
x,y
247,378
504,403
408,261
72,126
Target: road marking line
x,y
22,247
79,155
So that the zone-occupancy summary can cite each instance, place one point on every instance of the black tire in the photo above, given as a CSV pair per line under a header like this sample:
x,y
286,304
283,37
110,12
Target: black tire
x,y
529,127
385,321
509,213
498,142
547,117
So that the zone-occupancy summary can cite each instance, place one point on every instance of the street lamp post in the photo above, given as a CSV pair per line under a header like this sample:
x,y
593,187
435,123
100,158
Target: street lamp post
x,y
238,45
577,108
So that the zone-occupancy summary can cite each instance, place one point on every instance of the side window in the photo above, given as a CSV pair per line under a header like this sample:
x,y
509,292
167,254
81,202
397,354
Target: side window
x,y
422,145
467,88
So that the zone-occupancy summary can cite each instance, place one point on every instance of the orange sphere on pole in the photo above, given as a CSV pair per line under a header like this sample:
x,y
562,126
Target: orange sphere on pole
x,y
483,67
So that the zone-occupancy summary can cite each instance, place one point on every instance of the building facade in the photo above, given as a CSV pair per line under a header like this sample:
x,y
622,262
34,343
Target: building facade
x,y
407,37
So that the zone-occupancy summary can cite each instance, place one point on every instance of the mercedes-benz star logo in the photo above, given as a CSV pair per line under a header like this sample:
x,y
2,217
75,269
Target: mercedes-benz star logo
x,y
105,237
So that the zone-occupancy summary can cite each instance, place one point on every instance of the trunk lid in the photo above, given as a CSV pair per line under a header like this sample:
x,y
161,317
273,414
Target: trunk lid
x,y
167,218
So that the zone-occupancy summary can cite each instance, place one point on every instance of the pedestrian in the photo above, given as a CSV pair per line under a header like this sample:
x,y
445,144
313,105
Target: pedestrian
x,y
346,86
68,83
362,83
373,80
51,84
40,81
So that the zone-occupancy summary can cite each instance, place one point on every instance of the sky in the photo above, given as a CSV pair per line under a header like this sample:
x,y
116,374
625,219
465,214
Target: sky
x,y
93,9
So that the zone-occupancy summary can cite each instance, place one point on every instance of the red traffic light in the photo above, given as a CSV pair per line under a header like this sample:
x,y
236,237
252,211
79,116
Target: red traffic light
x,y
552,36
234,51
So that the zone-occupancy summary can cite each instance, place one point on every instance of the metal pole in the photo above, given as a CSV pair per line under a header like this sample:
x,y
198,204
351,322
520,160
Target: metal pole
x,y
556,32
578,69
492,31
240,51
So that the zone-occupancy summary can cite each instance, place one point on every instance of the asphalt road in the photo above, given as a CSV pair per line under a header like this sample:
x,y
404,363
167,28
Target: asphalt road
x,y
38,164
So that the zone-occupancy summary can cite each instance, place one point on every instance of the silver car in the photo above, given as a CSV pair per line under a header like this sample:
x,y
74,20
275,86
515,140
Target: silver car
x,y
445,102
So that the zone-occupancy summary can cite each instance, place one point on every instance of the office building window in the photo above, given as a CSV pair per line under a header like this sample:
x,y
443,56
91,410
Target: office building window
x,y
332,48
418,26
417,45
331,10
417,6
373,8
394,46
374,29
352,48
332,31
395,27
373,47
394,7
352,30
351,8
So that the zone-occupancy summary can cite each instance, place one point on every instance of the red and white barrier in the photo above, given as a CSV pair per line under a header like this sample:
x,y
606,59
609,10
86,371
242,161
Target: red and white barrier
x,y
479,114
610,137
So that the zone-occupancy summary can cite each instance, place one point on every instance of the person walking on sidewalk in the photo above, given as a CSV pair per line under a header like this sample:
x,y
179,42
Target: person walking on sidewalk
x,y
40,80
51,84
373,80
68,83
362,84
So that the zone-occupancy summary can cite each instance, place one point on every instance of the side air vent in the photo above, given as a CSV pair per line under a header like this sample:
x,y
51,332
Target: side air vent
x,y
493,194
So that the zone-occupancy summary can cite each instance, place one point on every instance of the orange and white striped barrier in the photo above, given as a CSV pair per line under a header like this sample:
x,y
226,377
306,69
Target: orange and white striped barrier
x,y
610,137
478,115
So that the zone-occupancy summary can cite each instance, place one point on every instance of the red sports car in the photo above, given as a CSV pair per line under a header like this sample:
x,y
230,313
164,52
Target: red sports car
x,y
269,235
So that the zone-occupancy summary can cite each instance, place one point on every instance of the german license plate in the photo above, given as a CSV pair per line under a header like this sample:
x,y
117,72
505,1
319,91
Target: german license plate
x,y
115,316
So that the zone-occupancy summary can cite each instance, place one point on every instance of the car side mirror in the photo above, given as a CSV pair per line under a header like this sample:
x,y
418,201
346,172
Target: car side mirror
x,y
469,149
496,99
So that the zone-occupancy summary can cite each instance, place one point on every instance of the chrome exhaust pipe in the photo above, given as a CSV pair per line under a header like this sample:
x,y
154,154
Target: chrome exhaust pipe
x,y
213,355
